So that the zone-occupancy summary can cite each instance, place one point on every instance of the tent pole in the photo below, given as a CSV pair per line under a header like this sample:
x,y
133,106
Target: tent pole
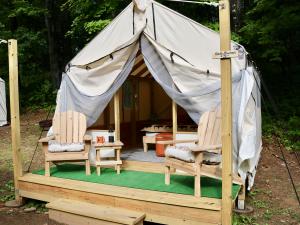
x,y
117,115
15,118
174,119
226,108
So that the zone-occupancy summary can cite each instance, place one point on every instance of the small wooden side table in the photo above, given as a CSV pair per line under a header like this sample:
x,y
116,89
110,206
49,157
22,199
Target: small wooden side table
x,y
117,162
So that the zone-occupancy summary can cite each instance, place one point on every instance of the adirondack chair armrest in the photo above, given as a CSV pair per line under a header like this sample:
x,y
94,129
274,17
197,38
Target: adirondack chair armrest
x,y
209,148
173,142
87,138
47,139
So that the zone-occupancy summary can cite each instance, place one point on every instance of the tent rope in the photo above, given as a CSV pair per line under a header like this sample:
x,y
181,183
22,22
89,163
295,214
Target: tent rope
x,y
279,143
37,143
209,3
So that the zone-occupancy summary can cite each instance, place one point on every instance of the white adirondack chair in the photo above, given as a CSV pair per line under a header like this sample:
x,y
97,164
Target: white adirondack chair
x,y
69,141
190,159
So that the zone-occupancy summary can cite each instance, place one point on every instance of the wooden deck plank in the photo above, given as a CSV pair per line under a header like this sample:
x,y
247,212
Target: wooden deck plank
x,y
101,212
143,166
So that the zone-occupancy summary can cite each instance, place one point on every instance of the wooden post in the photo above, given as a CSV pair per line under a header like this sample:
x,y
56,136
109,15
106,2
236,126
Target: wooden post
x,y
117,115
226,108
15,115
174,119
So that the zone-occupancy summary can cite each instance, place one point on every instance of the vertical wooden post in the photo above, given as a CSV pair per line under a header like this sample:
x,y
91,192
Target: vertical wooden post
x,y
174,119
15,114
117,115
226,108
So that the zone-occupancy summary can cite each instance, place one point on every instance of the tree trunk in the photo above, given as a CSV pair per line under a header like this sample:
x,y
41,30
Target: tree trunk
x,y
50,25
56,22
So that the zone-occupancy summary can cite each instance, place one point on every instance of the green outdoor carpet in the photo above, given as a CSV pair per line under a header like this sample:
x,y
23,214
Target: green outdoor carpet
x,y
180,184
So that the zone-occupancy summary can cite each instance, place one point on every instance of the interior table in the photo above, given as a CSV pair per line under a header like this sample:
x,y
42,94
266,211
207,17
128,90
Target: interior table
x,y
117,162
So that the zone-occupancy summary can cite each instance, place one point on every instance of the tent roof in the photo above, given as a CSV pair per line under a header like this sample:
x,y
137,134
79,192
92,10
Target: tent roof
x,y
187,39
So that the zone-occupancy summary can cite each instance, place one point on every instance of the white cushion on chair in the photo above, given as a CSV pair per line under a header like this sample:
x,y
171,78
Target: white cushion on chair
x,y
184,153
210,157
180,152
55,146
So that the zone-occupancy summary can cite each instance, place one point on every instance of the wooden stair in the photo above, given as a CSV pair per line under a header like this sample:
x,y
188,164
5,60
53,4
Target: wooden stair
x,y
72,212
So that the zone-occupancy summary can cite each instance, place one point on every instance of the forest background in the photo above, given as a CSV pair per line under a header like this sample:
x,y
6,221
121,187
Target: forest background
x,y
50,33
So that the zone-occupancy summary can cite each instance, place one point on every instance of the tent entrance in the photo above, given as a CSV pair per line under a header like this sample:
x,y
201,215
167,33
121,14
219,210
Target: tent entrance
x,y
144,104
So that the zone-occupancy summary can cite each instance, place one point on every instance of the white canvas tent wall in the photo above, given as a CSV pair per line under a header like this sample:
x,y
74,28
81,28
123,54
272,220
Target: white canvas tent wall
x,y
3,110
178,53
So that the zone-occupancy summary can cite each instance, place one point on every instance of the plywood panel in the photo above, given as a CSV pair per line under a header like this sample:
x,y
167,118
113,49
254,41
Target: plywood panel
x,y
162,106
144,100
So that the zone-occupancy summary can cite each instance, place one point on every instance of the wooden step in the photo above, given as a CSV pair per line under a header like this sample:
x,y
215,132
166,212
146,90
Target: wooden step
x,y
72,212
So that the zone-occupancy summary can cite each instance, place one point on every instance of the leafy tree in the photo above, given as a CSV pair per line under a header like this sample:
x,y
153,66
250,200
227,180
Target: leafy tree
x,y
21,20
272,36
89,18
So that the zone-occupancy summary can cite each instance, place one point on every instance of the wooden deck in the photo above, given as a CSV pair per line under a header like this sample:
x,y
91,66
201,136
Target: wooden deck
x,y
159,207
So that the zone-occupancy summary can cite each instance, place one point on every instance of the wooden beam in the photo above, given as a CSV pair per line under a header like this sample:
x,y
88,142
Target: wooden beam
x,y
117,115
15,114
226,108
174,119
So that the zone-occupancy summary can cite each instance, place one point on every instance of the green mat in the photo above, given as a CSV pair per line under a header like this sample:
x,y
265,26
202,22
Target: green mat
x,y
180,184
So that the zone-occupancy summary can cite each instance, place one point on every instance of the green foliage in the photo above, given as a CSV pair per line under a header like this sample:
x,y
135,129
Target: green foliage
x,y
243,220
271,25
287,130
7,192
23,20
271,35
95,26
43,96
39,205
90,17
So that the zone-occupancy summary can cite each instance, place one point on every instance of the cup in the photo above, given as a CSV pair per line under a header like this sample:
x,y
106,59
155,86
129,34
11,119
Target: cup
x,y
100,139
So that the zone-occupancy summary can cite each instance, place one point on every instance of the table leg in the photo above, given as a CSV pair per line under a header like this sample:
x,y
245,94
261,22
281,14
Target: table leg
x,y
118,159
115,157
98,161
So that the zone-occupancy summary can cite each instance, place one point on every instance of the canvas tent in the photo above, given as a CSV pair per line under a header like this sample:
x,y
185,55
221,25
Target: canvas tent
x,y
177,52
3,110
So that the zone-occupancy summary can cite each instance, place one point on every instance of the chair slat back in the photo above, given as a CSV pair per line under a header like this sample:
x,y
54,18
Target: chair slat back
x,y
69,127
209,129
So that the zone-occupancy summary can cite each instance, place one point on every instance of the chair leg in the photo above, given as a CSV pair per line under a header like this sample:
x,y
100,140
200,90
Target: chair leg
x,y
198,163
118,159
145,147
87,167
241,198
167,175
197,185
47,168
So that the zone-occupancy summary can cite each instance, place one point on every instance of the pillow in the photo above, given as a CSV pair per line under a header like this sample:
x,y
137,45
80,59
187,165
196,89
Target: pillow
x,y
55,146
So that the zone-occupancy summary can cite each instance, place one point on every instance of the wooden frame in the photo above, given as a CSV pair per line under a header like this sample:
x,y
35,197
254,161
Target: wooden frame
x,y
226,109
15,115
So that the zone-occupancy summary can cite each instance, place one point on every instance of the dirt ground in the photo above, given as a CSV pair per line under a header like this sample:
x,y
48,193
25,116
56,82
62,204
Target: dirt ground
x,y
272,196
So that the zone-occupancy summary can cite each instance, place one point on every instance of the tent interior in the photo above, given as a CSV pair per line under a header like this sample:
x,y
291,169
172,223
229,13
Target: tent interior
x,y
143,103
